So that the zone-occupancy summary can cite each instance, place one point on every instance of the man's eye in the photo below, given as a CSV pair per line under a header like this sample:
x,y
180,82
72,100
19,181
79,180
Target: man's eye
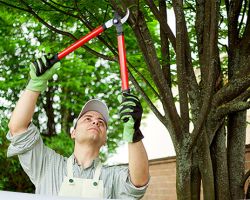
x,y
87,119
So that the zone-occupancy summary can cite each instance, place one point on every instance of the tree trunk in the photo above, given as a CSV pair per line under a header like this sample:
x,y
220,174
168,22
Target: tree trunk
x,y
220,165
183,175
206,168
66,121
66,118
48,106
195,177
236,153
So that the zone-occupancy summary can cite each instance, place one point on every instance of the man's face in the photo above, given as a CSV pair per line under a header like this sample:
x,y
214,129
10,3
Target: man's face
x,y
91,127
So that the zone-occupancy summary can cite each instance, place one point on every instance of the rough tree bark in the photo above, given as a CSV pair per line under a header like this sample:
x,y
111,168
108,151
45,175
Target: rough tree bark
x,y
207,143
214,103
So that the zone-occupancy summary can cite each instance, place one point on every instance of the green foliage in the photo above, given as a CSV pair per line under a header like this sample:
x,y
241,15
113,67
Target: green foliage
x,y
22,39
13,178
82,76
61,142
33,27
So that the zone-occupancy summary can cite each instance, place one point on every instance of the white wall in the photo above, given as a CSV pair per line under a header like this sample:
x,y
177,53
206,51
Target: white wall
x,y
157,140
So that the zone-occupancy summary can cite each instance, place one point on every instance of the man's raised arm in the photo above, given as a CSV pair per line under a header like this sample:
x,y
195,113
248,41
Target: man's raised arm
x,y
131,113
25,107
23,112
138,164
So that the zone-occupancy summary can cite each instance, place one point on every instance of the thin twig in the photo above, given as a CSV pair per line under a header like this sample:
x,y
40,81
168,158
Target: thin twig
x,y
146,98
144,79
13,6
61,5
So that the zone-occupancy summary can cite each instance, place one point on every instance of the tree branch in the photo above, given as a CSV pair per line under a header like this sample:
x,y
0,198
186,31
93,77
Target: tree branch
x,y
165,53
243,16
163,22
60,10
190,6
110,58
230,107
246,176
190,81
116,54
138,25
230,91
243,96
181,37
227,5
60,5
86,24
13,6
240,103
144,79
212,54
31,11
110,46
233,15
146,98
245,36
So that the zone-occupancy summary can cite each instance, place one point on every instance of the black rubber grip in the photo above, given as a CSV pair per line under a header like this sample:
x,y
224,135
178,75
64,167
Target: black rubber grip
x,y
42,67
53,60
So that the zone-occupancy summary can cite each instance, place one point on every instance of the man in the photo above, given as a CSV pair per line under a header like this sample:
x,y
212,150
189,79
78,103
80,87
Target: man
x,y
82,174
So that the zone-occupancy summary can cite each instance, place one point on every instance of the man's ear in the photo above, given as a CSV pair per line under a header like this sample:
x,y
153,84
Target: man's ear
x,y
73,133
105,141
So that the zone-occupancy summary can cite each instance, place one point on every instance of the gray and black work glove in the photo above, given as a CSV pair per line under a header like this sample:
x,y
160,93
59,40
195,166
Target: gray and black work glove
x,y
131,114
40,72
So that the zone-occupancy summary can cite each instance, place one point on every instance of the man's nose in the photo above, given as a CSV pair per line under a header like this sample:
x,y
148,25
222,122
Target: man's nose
x,y
96,122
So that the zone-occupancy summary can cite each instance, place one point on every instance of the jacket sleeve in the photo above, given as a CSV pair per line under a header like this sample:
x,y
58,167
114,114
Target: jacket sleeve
x,y
123,187
33,155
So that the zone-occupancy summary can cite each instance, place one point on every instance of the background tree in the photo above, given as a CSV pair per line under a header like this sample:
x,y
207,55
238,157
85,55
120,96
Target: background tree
x,y
206,59
82,77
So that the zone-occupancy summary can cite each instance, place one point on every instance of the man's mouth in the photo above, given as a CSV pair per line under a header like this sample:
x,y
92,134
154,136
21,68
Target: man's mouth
x,y
93,128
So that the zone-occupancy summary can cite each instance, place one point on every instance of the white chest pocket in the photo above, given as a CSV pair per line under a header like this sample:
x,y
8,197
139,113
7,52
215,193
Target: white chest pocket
x,y
77,187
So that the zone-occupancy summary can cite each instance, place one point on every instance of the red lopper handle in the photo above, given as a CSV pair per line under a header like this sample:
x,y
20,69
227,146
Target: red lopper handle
x,y
123,63
81,42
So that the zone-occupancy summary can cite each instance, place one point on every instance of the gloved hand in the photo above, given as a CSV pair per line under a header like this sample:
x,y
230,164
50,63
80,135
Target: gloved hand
x,y
40,72
131,113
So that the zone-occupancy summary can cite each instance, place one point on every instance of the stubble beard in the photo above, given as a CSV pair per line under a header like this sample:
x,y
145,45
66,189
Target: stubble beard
x,y
88,137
